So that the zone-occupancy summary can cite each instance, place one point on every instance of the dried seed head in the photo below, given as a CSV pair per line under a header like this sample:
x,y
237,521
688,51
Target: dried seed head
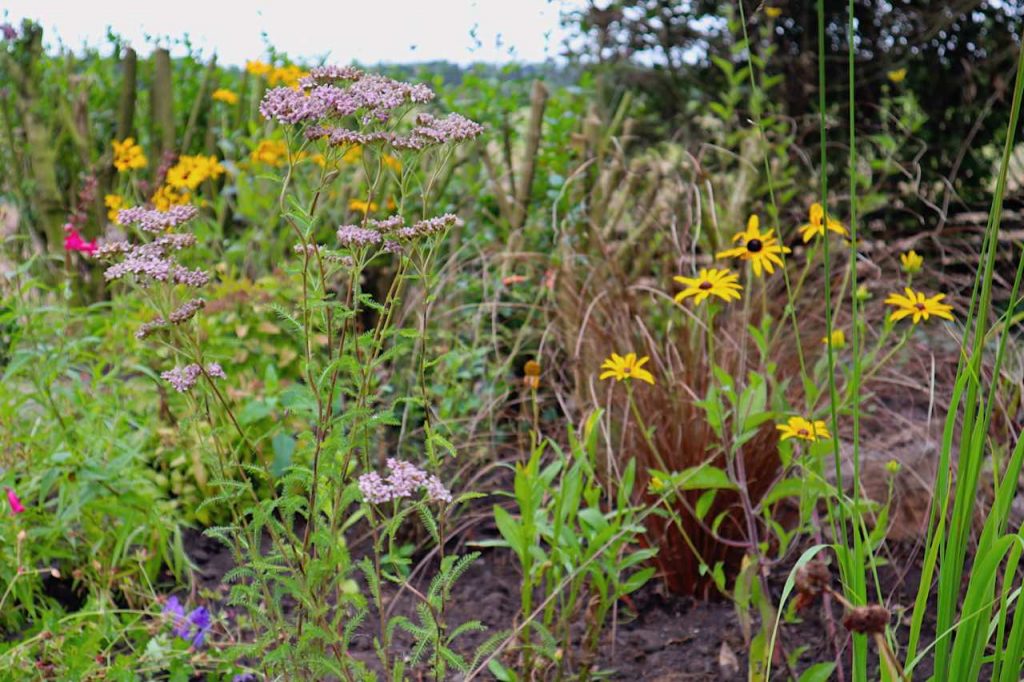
x,y
870,619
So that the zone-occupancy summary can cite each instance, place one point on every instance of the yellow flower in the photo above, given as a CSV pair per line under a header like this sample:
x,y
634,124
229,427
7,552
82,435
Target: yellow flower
x,y
838,339
531,370
168,196
392,163
224,95
192,171
623,368
270,152
362,206
773,12
892,466
319,159
897,75
762,250
352,154
815,226
287,76
714,282
911,261
258,68
390,204
657,484
798,427
915,303
114,203
128,155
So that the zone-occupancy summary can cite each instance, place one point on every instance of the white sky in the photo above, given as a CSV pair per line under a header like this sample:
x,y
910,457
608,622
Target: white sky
x,y
368,31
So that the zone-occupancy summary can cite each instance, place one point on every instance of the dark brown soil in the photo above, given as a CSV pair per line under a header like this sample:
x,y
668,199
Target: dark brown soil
x,y
655,635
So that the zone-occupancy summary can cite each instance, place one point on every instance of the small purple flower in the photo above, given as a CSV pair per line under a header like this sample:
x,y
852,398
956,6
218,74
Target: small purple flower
x,y
8,31
244,677
176,611
199,624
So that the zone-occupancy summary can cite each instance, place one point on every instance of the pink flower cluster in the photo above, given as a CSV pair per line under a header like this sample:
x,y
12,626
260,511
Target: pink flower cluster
x,y
152,220
184,378
404,480
373,96
152,260
73,241
182,314
353,236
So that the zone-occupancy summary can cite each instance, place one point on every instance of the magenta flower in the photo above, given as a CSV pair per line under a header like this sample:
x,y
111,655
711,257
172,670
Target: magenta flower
x,y
12,498
74,241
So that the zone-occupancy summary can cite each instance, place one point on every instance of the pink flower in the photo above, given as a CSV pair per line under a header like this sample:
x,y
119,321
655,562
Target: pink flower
x,y
16,506
73,241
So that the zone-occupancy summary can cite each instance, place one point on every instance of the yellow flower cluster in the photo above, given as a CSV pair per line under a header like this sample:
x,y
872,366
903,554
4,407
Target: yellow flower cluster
x,y
192,171
270,152
114,203
362,206
287,76
128,155
224,95
167,196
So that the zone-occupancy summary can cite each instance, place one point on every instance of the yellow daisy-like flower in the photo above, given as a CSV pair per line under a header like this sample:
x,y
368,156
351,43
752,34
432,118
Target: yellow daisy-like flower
x,y
773,12
192,171
258,68
714,282
168,196
392,162
815,227
270,152
838,338
911,262
352,154
762,250
224,95
804,429
897,75
362,206
624,368
128,155
917,304
288,76
114,203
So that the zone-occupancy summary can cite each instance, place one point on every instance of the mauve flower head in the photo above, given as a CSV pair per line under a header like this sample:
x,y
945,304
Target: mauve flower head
x,y
12,499
403,481
184,378
326,75
150,327
186,311
341,91
353,236
389,224
152,220
9,32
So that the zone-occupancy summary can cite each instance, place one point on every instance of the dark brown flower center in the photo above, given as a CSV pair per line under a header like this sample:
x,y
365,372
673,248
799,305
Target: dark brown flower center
x,y
921,307
754,245
803,432
705,285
